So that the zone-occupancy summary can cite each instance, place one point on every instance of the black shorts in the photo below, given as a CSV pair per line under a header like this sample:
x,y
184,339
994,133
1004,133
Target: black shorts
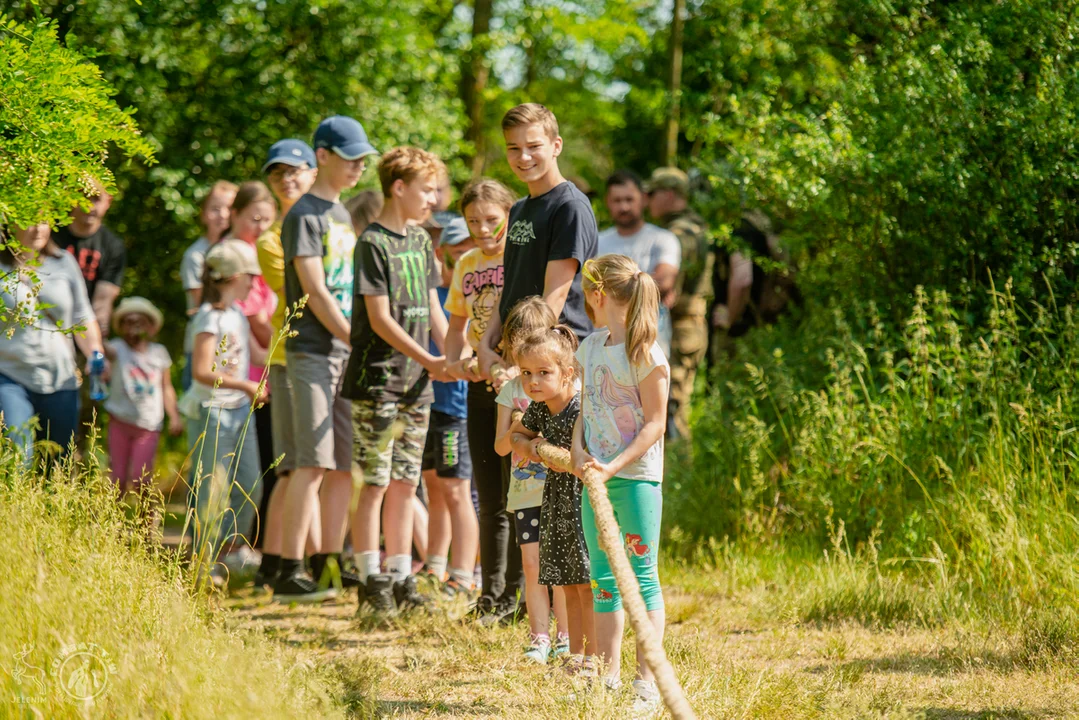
x,y
446,451
527,522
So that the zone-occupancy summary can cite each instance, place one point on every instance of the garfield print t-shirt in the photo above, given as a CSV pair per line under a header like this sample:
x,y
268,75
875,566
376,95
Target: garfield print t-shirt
x,y
475,291
611,407
401,267
318,228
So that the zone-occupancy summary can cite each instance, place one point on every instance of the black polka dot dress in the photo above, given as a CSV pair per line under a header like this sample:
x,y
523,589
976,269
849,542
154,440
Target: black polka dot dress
x,y
563,552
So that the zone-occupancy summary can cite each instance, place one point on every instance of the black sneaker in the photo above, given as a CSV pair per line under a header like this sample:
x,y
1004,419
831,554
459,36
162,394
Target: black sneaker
x,y
484,605
507,611
408,596
379,594
323,569
299,588
265,578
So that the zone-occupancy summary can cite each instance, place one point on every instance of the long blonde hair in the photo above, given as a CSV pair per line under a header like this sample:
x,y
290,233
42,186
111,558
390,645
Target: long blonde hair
x,y
619,278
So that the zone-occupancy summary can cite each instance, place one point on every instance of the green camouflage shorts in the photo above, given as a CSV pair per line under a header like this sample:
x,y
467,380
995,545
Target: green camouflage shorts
x,y
387,441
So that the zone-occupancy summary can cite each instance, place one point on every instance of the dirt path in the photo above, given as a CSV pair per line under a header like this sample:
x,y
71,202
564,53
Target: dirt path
x,y
738,657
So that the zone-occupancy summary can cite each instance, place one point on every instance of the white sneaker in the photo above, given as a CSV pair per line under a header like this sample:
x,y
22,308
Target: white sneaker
x,y
241,558
648,698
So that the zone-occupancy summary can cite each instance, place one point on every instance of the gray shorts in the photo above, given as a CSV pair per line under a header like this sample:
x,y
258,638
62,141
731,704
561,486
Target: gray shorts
x,y
281,419
321,417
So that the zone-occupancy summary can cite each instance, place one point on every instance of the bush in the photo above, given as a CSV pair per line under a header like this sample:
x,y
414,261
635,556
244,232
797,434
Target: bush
x,y
952,449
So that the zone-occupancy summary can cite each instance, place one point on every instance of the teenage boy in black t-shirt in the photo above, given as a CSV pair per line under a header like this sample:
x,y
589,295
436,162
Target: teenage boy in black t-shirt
x,y
553,229
396,315
100,253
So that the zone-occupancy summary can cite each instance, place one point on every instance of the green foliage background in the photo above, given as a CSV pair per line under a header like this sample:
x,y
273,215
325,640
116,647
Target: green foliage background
x,y
901,144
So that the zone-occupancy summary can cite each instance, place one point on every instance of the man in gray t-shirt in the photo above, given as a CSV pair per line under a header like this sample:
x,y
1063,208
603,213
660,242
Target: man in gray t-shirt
x,y
655,250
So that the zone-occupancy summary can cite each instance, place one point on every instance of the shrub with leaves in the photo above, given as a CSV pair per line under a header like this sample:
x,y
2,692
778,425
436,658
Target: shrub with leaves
x,y
58,124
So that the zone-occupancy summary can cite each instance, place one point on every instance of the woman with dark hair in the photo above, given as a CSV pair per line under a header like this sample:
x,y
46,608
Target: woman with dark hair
x,y
45,307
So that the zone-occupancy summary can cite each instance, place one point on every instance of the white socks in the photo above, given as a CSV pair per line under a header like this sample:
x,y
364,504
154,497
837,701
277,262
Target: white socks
x,y
462,577
437,565
400,566
366,564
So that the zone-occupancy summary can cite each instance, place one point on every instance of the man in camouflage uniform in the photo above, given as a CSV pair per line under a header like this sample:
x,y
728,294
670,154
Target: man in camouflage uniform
x,y
668,190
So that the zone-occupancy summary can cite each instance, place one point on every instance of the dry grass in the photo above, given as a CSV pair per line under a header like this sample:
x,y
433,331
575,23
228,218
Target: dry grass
x,y
736,653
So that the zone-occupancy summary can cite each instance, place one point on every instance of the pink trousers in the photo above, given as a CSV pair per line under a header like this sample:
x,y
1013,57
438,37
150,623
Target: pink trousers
x,y
131,452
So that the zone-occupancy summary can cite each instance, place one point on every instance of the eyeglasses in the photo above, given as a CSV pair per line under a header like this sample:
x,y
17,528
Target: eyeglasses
x,y
286,172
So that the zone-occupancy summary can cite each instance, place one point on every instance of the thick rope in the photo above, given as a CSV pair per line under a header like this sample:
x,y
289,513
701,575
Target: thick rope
x,y
610,539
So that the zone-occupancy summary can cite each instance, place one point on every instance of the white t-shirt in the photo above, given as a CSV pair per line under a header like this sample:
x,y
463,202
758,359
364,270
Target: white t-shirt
x,y
192,264
526,477
648,247
231,325
191,267
135,388
611,404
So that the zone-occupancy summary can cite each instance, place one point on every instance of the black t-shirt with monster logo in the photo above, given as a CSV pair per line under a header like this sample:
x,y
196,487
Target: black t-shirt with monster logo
x,y
401,267
557,225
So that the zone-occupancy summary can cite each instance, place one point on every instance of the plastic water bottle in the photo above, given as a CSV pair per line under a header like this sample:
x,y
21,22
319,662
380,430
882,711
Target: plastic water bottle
x,y
98,389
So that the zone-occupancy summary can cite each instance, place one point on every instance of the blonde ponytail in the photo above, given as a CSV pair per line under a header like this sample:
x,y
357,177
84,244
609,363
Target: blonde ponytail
x,y
619,278
642,318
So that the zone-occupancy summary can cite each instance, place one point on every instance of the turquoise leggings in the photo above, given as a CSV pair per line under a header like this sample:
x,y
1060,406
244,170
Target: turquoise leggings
x,y
638,508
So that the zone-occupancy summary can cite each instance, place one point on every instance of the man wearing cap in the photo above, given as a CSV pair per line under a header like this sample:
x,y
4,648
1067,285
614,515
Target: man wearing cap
x,y
668,190
318,241
290,170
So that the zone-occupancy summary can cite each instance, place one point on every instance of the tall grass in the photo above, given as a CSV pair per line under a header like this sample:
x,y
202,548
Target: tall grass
x,y
931,456
77,574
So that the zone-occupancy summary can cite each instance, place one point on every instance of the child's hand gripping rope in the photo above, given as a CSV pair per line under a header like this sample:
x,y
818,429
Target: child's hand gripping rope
x,y
610,540
499,374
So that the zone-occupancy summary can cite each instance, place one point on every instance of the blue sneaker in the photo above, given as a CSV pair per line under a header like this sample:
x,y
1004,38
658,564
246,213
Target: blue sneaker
x,y
539,650
561,645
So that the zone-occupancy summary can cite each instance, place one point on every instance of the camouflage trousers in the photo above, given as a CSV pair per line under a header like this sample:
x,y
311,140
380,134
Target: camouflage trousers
x,y
387,441
689,345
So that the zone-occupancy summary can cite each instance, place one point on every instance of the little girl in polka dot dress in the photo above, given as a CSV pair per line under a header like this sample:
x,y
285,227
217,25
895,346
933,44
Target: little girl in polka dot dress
x,y
548,376
525,496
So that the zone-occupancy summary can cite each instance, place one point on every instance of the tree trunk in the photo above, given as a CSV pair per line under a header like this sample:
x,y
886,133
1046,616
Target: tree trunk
x,y
674,83
474,76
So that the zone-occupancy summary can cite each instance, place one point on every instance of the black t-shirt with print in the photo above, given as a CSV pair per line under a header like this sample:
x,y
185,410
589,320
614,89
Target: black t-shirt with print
x,y
557,225
101,256
401,267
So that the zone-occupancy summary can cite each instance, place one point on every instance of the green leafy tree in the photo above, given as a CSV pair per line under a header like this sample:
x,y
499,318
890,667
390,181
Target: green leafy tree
x,y
58,124
902,143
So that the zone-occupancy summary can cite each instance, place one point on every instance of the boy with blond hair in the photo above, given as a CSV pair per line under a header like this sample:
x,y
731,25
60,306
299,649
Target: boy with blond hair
x,y
396,315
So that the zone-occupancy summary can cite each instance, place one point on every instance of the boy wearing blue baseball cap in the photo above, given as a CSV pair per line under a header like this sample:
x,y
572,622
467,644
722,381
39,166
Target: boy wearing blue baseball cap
x,y
318,241
290,170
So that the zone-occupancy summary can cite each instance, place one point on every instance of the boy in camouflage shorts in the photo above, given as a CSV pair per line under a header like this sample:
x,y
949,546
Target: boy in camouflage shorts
x,y
395,317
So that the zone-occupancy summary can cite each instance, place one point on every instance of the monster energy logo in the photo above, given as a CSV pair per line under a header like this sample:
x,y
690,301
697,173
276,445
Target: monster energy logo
x,y
414,274
449,448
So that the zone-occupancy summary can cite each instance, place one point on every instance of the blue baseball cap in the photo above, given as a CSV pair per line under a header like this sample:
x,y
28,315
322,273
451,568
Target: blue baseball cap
x,y
290,152
344,136
454,232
